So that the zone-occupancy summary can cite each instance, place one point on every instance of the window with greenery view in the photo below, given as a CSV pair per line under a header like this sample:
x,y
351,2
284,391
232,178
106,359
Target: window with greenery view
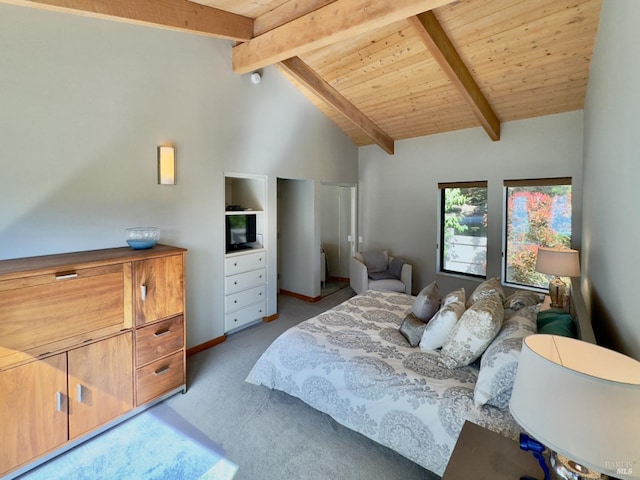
x,y
538,215
463,228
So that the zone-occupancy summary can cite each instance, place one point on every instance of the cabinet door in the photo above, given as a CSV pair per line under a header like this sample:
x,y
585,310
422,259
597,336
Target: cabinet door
x,y
158,288
33,410
100,383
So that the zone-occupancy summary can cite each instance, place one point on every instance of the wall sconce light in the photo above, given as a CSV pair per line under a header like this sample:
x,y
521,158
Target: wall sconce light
x,y
166,165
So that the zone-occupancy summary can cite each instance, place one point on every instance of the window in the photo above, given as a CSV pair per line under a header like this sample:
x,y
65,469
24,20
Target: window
x,y
463,228
538,213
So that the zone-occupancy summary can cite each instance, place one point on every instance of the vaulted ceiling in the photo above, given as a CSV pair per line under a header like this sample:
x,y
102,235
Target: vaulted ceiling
x,y
386,70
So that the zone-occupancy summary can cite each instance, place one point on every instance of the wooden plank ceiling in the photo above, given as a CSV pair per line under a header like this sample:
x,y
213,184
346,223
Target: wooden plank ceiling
x,y
385,70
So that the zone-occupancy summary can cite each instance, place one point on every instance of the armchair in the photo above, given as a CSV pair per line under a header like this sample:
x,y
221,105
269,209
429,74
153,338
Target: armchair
x,y
377,270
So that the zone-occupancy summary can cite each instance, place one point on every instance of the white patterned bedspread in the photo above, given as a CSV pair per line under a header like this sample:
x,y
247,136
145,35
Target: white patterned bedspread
x,y
352,363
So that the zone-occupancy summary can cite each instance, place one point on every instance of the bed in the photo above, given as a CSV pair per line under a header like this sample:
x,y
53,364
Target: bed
x,y
352,363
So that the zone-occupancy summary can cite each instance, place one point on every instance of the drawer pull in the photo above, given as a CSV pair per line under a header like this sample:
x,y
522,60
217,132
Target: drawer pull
x,y
66,276
235,283
161,333
79,389
235,264
235,301
143,292
259,276
162,370
58,401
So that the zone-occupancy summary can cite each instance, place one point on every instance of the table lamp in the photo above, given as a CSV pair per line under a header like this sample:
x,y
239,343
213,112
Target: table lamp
x,y
582,402
559,262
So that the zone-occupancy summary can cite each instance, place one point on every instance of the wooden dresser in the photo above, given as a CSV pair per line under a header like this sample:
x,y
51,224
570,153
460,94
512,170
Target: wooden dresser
x,y
86,340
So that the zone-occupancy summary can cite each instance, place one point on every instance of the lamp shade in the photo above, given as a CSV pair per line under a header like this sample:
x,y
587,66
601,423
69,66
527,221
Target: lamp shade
x,y
562,262
582,401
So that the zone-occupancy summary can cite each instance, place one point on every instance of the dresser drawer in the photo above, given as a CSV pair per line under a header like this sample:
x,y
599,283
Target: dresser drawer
x,y
159,377
239,300
244,281
244,316
245,262
159,339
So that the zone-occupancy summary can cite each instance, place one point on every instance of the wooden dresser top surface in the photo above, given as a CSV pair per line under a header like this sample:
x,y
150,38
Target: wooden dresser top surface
x,y
20,267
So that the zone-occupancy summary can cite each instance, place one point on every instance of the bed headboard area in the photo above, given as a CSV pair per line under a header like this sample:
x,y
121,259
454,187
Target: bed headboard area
x,y
581,314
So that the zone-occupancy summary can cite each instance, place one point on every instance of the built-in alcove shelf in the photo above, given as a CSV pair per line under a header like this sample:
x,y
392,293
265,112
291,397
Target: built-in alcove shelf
x,y
245,265
245,192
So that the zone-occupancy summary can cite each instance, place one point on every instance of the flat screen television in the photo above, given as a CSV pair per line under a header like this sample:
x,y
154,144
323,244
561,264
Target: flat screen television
x,y
241,231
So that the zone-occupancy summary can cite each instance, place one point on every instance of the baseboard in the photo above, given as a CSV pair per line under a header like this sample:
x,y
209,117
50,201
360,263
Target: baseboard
x,y
217,341
270,318
339,279
299,296
203,346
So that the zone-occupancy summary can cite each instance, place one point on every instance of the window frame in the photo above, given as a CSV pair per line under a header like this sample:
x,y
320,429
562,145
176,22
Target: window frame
x,y
440,261
531,182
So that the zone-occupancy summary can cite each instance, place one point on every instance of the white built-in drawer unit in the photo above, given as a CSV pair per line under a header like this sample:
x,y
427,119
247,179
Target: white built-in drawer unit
x,y
244,262
244,288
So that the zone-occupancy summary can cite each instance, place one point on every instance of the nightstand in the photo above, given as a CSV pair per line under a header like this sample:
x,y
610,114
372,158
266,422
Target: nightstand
x,y
481,454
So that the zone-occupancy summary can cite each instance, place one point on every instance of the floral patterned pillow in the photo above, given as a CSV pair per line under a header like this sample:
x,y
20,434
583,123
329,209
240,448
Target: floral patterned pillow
x,y
475,330
520,299
486,289
500,361
455,296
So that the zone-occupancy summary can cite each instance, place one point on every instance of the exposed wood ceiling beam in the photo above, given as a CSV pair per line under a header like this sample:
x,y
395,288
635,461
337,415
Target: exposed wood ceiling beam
x,y
284,13
332,23
172,14
443,51
311,80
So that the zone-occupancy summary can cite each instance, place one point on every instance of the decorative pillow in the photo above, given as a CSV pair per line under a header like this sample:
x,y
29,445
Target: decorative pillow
x,y
486,289
427,302
395,267
556,322
520,299
440,325
499,362
376,261
473,333
455,296
412,328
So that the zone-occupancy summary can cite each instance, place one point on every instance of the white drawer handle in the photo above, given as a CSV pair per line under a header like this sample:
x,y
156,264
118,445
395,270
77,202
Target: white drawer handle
x,y
143,292
66,276
79,393
161,333
162,370
58,401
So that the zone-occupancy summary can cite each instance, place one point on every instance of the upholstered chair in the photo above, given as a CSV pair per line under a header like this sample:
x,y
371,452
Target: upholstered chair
x,y
377,270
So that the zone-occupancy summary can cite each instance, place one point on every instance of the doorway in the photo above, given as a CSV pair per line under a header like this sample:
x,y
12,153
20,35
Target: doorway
x,y
337,234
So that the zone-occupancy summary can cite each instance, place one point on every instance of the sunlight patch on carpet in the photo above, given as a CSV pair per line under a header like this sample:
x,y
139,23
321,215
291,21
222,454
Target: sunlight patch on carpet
x,y
157,444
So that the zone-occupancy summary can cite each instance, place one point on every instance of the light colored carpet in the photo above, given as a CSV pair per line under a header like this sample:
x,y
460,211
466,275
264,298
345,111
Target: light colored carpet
x,y
157,444
269,434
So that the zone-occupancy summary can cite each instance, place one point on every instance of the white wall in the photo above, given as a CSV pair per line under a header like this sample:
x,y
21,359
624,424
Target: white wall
x,y
610,256
84,103
398,194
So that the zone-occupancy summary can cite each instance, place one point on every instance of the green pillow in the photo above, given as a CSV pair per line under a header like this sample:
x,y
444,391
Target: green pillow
x,y
556,322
